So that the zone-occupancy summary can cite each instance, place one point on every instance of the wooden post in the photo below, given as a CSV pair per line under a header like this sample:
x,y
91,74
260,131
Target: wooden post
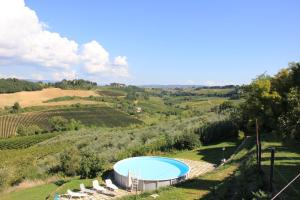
x,y
259,157
257,145
272,169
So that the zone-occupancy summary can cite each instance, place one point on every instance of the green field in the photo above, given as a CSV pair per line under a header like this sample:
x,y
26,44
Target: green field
x,y
88,115
24,141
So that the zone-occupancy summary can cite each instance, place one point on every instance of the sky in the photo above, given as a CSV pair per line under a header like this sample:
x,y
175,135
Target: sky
x,y
207,42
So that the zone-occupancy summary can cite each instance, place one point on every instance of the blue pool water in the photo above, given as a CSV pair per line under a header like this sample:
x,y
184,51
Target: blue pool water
x,y
152,168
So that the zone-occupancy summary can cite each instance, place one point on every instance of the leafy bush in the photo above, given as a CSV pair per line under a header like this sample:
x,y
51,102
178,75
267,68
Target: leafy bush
x,y
217,131
70,161
59,123
29,130
16,108
187,141
90,164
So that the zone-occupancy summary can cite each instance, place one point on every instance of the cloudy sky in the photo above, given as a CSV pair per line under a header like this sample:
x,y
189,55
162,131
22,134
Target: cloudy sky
x,y
147,42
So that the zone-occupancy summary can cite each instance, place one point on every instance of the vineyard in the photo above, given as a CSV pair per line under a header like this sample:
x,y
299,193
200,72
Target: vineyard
x,y
24,142
89,116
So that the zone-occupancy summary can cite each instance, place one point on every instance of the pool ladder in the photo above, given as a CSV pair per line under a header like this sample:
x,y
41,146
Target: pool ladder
x,y
135,184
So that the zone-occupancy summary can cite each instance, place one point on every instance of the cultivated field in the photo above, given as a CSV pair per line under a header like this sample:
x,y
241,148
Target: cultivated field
x,y
37,98
89,116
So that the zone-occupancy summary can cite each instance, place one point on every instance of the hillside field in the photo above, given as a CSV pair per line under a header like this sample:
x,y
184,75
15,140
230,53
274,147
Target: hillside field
x,y
87,115
37,98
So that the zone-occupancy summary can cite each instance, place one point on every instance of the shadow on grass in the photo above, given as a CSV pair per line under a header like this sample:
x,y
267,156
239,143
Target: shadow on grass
x,y
216,154
200,184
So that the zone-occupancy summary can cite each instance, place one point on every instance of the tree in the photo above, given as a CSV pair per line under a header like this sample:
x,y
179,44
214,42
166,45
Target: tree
x,y
16,108
70,161
90,164
29,130
58,123
187,141
261,103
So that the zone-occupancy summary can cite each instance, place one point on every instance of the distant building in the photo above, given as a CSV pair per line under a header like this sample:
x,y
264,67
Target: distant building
x,y
118,85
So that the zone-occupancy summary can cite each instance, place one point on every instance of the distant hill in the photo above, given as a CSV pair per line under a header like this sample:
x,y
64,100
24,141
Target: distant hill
x,y
187,86
170,86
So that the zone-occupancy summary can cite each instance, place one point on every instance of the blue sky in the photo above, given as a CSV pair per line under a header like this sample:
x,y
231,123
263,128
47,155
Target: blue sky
x,y
170,42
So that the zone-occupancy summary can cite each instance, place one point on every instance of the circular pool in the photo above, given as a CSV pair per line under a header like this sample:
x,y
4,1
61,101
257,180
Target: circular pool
x,y
149,172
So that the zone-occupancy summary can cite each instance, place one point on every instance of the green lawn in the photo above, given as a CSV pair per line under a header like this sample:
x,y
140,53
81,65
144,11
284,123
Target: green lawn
x,y
47,190
286,167
35,193
210,153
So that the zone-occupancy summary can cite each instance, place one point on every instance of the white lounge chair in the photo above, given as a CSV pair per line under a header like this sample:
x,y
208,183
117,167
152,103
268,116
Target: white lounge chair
x,y
83,189
75,194
97,187
110,185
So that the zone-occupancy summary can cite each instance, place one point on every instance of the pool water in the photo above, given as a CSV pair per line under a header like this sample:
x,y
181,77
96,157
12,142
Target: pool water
x,y
152,168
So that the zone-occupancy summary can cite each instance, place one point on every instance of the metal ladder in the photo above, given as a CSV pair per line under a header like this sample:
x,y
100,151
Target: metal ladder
x,y
135,184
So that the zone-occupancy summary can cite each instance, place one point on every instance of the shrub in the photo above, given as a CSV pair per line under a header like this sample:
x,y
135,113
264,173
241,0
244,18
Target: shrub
x,y
16,108
187,141
217,131
90,164
29,130
73,125
70,161
59,123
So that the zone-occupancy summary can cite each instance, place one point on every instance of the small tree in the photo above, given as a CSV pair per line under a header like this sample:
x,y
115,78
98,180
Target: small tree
x,y
70,161
58,123
187,141
29,130
73,125
16,108
90,164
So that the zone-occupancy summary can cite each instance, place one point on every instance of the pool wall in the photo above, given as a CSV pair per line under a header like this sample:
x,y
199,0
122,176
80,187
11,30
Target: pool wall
x,y
148,185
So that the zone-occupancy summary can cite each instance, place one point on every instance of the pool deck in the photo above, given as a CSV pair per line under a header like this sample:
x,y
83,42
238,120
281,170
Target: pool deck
x,y
197,168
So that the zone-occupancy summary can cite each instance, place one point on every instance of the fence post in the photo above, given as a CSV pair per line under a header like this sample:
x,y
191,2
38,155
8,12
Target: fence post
x,y
258,146
272,169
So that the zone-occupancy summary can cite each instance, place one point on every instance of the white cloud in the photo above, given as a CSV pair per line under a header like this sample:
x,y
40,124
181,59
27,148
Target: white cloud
x,y
218,83
69,75
190,82
11,76
121,60
24,39
38,77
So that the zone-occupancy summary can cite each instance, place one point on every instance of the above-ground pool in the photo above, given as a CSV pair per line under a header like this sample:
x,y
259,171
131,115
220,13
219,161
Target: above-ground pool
x,y
151,172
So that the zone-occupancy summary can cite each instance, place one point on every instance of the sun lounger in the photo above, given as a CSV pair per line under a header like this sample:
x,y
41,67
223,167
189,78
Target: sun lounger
x,y
97,187
110,185
75,194
101,189
83,189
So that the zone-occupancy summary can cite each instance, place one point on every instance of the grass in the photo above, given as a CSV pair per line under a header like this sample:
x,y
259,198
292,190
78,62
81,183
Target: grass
x,y
287,162
24,141
35,193
210,153
204,187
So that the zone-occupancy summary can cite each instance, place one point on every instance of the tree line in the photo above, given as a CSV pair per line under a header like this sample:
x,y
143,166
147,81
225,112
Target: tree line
x,y
11,85
274,101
